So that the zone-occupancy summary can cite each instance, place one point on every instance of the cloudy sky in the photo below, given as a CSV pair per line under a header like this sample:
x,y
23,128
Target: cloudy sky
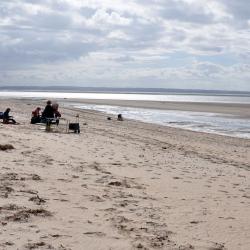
x,y
202,44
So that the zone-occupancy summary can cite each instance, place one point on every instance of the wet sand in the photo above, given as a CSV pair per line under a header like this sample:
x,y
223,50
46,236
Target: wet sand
x,y
236,109
120,185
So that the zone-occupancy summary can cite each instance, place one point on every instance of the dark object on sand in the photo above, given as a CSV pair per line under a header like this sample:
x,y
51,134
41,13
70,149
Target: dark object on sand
x,y
35,120
109,118
75,126
119,117
6,147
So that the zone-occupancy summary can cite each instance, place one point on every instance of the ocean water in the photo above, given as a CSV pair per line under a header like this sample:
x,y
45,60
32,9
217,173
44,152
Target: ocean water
x,y
180,97
196,121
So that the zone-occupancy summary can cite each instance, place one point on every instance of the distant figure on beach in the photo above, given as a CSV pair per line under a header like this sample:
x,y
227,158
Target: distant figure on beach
x,y
48,112
119,117
7,118
36,117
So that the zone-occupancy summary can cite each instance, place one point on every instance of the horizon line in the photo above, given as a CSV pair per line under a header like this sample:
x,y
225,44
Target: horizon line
x,y
143,89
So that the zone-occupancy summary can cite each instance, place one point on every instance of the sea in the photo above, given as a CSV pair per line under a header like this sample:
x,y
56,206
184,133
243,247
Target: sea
x,y
215,123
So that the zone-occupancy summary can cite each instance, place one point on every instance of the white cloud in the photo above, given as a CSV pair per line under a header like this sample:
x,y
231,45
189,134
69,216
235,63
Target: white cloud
x,y
103,17
118,34
129,42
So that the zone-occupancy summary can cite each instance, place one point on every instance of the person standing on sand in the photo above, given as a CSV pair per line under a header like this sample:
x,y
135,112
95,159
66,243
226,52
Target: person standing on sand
x,y
7,118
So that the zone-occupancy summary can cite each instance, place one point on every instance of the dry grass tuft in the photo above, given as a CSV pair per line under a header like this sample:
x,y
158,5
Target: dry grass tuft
x,y
4,147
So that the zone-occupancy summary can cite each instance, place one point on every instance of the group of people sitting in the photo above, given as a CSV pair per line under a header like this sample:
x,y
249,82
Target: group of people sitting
x,y
50,114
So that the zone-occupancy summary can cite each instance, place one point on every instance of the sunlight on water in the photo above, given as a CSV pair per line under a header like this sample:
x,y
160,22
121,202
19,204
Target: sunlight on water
x,y
139,97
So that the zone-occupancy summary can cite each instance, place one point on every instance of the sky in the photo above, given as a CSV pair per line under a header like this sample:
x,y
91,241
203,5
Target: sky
x,y
190,44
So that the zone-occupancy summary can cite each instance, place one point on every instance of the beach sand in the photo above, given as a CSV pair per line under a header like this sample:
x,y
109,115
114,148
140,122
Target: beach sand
x,y
120,185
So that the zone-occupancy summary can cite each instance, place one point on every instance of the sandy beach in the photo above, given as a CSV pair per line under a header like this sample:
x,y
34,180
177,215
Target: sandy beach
x,y
121,184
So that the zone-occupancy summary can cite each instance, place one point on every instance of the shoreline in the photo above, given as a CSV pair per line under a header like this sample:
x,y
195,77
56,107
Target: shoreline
x,y
239,110
170,119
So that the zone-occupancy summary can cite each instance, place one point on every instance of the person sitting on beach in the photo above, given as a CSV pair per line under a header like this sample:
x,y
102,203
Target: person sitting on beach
x,y
36,117
119,117
7,118
48,112
57,114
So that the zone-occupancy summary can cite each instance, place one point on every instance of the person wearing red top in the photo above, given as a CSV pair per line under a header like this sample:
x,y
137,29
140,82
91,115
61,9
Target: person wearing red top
x,y
36,112
36,117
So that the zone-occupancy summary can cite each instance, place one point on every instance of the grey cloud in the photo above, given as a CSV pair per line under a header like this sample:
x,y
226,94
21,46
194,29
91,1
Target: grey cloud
x,y
206,46
180,11
57,33
185,13
41,48
125,58
208,69
144,35
51,21
213,49
239,8
87,12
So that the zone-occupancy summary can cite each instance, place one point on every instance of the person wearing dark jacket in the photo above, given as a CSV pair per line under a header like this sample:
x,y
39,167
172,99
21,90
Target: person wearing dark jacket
x,y
7,118
48,112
